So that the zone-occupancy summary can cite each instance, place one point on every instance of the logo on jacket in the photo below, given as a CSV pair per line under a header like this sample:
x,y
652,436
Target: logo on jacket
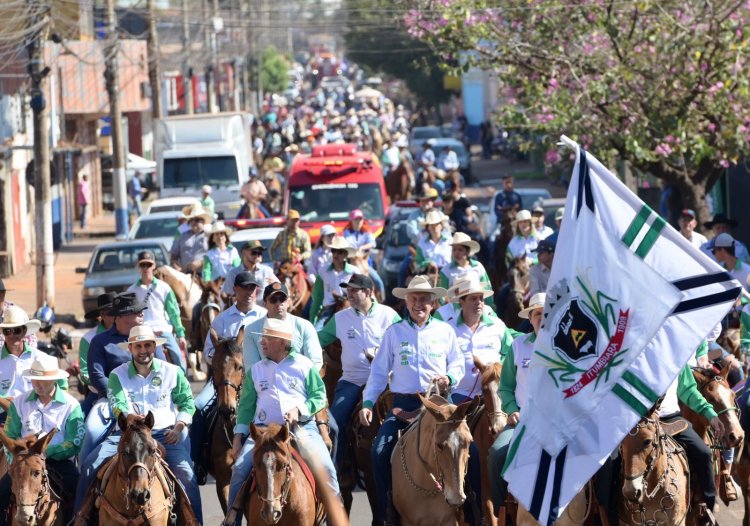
x,y
156,381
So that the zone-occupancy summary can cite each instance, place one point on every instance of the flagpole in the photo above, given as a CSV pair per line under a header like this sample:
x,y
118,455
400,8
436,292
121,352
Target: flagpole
x,y
567,141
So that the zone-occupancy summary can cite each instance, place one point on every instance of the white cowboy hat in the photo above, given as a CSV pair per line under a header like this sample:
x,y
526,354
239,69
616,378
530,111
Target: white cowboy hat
x,y
141,333
434,217
15,316
470,285
278,329
44,367
196,210
536,302
522,215
419,284
218,228
402,142
340,243
459,238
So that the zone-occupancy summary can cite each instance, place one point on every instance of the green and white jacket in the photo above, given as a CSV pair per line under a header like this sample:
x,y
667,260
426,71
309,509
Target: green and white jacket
x,y
165,392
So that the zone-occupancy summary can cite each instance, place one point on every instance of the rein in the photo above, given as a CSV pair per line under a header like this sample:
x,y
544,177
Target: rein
x,y
720,380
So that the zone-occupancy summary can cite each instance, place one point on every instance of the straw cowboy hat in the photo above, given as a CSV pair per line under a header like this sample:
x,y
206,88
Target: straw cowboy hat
x,y
470,285
196,211
141,333
459,238
218,228
536,302
340,243
434,217
15,316
44,367
419,284
278,329
522,215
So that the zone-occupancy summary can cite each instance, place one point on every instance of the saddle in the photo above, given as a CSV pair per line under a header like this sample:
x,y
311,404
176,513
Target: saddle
x,y
674,428
407,417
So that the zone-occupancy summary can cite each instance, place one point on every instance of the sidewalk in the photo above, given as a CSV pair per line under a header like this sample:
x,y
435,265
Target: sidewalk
x,y
68,305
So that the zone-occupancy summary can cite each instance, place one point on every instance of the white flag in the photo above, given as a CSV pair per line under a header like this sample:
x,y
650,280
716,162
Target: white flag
x,y
629,301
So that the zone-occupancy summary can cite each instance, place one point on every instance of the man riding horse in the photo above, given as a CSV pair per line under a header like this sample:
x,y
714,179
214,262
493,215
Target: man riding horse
x,y
227,325
283,388
328,282
418,351
251,255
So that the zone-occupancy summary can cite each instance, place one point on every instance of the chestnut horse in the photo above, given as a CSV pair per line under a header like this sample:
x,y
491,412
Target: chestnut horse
x,y
282,494
227,374
429,464
518,288
186,290
655,475
293,275
400,181
35,502
486,428
332,370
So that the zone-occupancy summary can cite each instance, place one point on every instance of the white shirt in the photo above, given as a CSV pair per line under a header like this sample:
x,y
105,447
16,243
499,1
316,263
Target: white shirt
x,y
697,240
523,350
154,295
37,418
321,258
521,246
263,274
438,253
332,280
452,273
448,161
485,343
228,323
12,383
544,232
414,355
359,332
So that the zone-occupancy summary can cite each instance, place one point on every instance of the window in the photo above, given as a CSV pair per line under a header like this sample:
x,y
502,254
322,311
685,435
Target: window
x,y
194,172
163,227
334,201
116,258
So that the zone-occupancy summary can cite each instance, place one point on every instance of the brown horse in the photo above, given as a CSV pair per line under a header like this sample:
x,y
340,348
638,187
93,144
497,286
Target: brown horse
x,y
332,370
518,285
135,488
186,290
655,475
501,247
282,494
227,374
490,422
400,181
35,502
429,464
293,275
358,440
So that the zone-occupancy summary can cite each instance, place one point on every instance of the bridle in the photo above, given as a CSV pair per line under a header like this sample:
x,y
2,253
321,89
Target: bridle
x,y
653,455
286,485
44,491
133,467
720,380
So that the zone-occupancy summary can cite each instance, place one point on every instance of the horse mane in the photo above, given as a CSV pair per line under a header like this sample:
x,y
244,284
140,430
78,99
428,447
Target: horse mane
x,y
491,373
229,345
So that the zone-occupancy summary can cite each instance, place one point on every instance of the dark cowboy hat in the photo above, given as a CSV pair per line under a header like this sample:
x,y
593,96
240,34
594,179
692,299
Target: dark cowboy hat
x,y
103,302
126,303
721,219
2,286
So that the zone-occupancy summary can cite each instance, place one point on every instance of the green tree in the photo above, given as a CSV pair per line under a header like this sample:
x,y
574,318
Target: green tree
x,y
274,69
379,41
659,83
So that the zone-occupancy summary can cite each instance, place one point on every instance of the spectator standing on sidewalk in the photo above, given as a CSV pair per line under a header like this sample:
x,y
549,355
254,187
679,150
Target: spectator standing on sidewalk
x,y
135,191
84,197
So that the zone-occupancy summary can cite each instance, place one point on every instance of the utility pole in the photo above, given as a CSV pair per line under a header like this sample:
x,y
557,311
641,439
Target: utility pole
x,y
217,25
154,75
187,72
208,46
112,81
44,257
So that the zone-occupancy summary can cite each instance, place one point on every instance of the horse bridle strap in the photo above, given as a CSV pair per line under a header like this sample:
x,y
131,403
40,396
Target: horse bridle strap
x,y
45,481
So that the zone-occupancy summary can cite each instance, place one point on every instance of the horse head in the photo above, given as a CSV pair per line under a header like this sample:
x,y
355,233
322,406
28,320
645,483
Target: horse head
x,y
716,390
641,456
28,474
272,461
287,269
228,371
490,378
451,438
137,452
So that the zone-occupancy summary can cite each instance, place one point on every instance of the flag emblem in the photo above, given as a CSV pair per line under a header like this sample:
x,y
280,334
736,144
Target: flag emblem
x,y
576,333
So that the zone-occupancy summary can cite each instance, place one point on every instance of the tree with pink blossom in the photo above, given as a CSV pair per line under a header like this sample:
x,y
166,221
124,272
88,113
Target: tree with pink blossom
x,y
660,84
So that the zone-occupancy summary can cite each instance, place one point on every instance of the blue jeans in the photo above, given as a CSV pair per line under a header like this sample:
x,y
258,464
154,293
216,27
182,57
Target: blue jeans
x,y
175,354
382,449
99,422
379,286
198,427
83,215
312,449
177,456
495,464
403,270
345,399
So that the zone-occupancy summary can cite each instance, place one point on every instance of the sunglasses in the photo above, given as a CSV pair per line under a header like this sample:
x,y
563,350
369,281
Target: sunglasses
x,y
256,252
15,330
146,265
276,298
339,251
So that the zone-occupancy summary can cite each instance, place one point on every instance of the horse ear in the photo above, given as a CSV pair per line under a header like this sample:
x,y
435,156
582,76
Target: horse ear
x,y
214,337
465,409
40,446
725,370
478,363
283,434
432,408
240,336
149,420
255,433
122,421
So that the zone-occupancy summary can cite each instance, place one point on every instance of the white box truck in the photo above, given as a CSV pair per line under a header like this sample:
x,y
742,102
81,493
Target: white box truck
x,y
210,148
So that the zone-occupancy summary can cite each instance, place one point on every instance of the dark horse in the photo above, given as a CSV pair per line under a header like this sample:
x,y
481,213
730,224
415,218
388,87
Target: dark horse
x,y
399,181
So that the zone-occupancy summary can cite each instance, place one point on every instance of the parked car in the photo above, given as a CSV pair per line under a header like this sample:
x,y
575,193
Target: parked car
x,y
159,225
420,134
530,197
170,204
112,267
464,158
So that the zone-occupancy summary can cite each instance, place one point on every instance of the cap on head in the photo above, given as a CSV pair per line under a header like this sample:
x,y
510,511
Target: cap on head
x,y
206,189
359,281
146,256
273,288
559,213
356,214
688,212
537,210
430,193
245,279
253,244
545,245
723,240
327,230
292,214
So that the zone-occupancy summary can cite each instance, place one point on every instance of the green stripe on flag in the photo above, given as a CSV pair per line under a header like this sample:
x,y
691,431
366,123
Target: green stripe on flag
x,y
636,225
629,399
650,238
642,388
513,449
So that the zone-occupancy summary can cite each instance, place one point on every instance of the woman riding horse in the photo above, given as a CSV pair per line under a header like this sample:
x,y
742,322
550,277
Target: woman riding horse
x,y
328,282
